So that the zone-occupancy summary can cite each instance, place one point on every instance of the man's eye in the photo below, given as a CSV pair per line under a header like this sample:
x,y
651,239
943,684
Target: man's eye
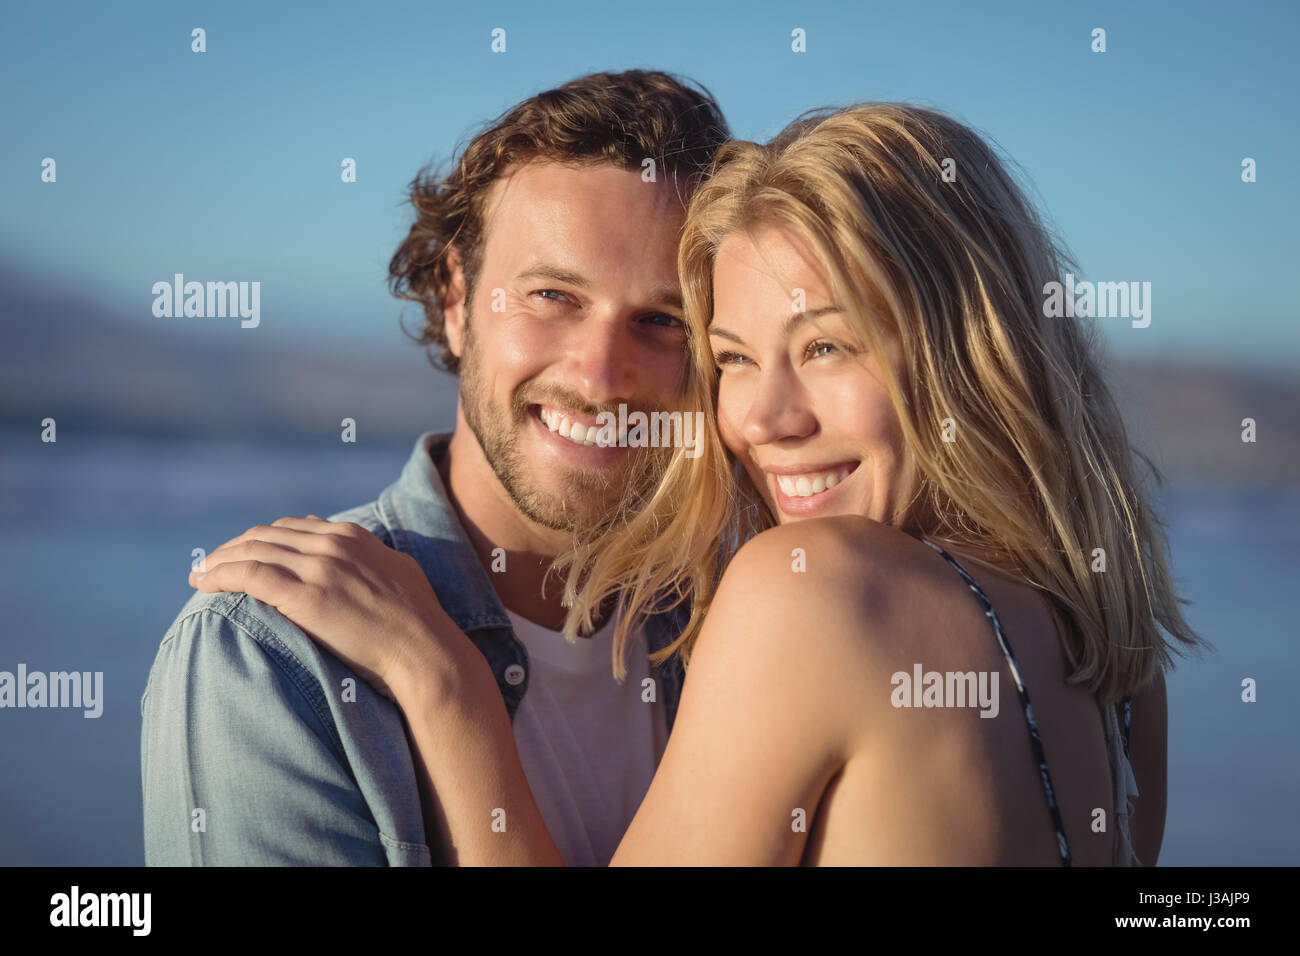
x,y
665,320
555,295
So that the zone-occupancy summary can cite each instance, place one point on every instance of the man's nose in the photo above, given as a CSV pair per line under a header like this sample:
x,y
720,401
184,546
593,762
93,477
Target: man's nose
x,y
779,409
602,360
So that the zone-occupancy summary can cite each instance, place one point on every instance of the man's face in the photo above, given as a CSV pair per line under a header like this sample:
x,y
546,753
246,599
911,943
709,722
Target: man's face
x,y
576,308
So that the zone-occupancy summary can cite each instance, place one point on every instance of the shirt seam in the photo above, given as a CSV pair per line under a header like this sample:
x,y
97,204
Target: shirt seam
x,y
403,844
308,687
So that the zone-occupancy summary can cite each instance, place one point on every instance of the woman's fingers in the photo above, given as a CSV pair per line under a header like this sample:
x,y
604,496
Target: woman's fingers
x,y
310,523
300,534
291,540
304,566
269,583
315,525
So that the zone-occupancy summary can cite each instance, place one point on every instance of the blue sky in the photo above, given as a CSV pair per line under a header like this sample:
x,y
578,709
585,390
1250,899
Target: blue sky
x,y
225,165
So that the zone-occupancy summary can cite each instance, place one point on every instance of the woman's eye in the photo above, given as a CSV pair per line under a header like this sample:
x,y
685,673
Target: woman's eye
x,y
723,359
819,348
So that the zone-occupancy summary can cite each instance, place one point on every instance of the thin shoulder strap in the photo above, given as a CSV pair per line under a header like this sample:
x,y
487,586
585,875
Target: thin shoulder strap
x,y
1128,721
1034,740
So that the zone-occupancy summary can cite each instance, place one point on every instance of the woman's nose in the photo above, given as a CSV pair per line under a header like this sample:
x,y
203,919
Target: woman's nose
x,y
779,410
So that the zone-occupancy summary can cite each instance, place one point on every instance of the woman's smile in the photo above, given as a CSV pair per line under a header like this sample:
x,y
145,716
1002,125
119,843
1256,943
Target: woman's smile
x,y
802,490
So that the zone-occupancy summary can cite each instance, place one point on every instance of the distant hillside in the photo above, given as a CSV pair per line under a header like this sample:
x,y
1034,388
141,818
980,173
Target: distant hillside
x,y
1188,421
61,357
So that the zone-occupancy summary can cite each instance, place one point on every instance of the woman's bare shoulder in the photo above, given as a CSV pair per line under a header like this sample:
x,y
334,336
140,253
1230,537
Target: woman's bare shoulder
x,y
844,554
853,593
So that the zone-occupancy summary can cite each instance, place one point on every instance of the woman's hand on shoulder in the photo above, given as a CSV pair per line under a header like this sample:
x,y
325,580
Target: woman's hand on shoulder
x,y
370,605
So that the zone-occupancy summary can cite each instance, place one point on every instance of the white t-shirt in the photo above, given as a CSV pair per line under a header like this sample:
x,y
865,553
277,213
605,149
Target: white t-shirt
x,y
589,745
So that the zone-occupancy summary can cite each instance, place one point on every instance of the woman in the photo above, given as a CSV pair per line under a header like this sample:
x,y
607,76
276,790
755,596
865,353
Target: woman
x,y
919,468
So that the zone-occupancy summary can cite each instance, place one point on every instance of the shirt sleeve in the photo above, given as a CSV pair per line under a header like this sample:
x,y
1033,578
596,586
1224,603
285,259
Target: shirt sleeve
x,y
238,766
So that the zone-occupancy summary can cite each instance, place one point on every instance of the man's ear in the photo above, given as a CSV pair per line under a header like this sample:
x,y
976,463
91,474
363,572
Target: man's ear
x,y
453,306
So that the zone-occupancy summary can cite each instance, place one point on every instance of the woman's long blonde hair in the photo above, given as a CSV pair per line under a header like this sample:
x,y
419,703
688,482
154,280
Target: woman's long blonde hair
x,y
907,207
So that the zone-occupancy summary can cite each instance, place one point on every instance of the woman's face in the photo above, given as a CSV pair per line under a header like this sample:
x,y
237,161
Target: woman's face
x,y
801,401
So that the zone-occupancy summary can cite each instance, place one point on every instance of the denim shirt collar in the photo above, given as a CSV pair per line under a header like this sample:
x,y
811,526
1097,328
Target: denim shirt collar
x,y
422,521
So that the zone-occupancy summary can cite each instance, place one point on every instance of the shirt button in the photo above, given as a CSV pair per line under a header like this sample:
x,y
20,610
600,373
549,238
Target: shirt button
x,y
514,675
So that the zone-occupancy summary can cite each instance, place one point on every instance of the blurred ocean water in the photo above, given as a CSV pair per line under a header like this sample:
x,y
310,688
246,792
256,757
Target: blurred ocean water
x,y
96,539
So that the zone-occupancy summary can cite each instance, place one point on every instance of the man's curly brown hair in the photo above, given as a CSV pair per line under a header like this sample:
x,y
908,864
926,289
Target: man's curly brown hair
x,y
620,118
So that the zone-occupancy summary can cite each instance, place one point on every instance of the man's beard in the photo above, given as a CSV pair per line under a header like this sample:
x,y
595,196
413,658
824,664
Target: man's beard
x,y
592,497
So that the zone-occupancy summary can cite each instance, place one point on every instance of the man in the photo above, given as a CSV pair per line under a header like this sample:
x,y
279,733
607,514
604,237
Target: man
x,y
546,266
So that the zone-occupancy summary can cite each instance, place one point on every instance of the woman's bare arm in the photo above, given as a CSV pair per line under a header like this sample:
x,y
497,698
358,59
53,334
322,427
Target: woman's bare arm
x,y
754,744
1148,751
764,722
473,789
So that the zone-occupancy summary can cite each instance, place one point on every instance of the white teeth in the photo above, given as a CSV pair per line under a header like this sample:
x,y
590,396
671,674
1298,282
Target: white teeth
x,y
802,486
579,433
575,432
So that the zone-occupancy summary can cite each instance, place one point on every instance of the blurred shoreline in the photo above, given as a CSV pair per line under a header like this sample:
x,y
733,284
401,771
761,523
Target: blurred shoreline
x,y
98,374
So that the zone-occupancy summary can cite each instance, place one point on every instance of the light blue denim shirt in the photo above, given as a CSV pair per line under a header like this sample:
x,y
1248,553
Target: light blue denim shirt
x,y
252,753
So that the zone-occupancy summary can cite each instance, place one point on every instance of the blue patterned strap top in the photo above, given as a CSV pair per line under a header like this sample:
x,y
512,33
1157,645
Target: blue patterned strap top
x,y
1034,740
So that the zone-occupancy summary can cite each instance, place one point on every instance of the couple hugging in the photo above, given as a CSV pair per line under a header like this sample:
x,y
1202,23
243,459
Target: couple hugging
x,y
543,646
